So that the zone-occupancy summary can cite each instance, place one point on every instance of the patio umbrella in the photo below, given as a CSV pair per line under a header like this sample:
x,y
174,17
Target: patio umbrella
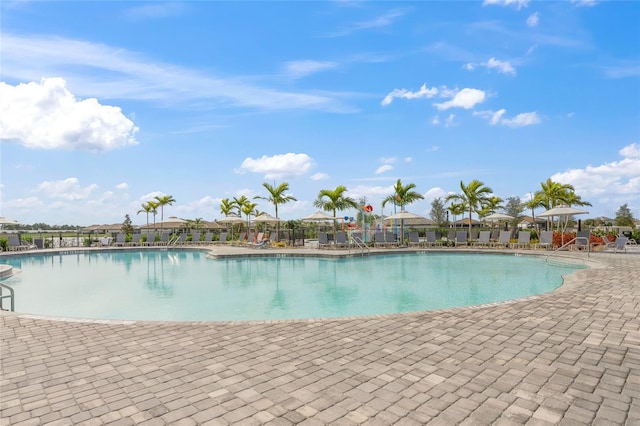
x,y
7,221
231,220
498,217
404,215
319,217
562,211
266,218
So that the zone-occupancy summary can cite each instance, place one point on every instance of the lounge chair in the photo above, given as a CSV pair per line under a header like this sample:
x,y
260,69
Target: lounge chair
x,y
432,239
208,238
378,239
182,239
504,240
620,244
241,239
583,240
461,238
323,240
546,239
120,240
390,238
483,239
164,239
135,240
195,238
524,239
341,239
15,243
414,239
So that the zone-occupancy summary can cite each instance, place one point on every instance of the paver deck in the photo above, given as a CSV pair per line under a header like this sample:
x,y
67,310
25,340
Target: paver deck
x,y
570,357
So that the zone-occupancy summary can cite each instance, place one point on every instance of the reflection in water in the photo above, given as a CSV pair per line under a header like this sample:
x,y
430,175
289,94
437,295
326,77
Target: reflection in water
x,y
186,285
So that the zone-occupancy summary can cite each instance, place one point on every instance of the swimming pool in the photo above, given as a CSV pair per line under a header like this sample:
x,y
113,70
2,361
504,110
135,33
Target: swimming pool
x,y
188,286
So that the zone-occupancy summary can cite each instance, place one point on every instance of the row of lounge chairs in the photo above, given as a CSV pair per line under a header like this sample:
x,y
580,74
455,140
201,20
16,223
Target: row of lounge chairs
x,y
166,239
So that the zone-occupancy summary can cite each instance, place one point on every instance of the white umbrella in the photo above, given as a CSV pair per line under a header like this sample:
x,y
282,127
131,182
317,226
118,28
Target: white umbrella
x,y
405,215
231,219
173,222
266,218
7,221
562,211
318,217
498,216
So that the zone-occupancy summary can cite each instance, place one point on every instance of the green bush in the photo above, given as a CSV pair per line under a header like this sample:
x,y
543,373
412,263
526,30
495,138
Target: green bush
x,y
4,243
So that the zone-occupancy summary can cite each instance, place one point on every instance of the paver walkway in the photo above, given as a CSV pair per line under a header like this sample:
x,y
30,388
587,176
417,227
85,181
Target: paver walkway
x,y
568,357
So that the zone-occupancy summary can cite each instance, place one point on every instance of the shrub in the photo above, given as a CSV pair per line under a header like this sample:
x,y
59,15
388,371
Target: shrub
x,y
4,243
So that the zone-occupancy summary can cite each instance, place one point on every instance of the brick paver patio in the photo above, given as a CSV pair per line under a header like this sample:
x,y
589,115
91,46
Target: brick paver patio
x,y
567,357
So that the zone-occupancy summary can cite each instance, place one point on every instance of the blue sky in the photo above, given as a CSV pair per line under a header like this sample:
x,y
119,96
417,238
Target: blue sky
x,y
104,105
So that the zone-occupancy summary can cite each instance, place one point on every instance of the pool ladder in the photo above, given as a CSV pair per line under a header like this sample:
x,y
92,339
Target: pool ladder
x,y
357,241
9,296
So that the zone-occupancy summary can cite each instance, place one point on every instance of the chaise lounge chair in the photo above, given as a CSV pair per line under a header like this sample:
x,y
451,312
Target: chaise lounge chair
x,y
524,240
546,239
504,240
483,240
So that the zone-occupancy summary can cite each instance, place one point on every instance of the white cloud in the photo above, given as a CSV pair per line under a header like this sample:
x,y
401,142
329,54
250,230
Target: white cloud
x,y
384,168
533,19
388,160
465,98
319,176
102,71
122,185
613,183
46,115
434,193
155,10
29,203
587,3
520,120
518,3
435,120
503,67
298,69
381,21
67,189
407,159
450,120
278,166
424,92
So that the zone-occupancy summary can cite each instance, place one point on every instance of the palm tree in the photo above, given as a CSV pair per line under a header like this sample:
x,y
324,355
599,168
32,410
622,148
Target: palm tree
x,y
277,196
226,206
475,196
402,195
238,202
153,209
248,208
553,194
457,209
334,200
147,208
165,200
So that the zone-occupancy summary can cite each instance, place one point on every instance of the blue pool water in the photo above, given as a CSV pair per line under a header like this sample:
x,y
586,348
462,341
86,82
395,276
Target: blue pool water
x,y
188,286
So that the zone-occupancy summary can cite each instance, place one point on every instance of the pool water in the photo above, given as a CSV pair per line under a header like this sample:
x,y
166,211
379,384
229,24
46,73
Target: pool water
x,y
188,286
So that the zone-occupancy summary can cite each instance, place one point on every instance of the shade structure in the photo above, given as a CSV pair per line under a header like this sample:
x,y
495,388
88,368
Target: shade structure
x,y
498,216
266,218
405,215
172,222
562,211
7,221
319,217
231,219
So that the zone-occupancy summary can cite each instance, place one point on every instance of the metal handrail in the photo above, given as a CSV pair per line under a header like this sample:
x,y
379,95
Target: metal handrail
x,y
11,296
588,246
359,243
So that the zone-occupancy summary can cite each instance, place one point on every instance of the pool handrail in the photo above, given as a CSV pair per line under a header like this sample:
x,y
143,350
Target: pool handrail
x,y
572,241
11,296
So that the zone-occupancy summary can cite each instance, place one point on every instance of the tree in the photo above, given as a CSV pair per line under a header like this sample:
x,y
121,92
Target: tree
x,y
248,209
277,196
438,212
554,194
457,209
624,217
493,204
127,227
475,195
333,201
238,202
165,200
226,206
147,208
402,195
514,208
153,209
